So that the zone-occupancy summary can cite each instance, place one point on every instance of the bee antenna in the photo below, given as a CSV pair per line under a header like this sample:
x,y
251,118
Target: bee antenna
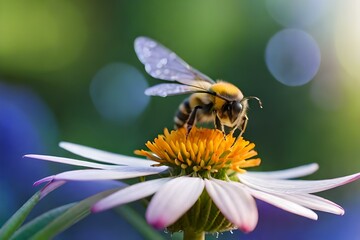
x,y
256,98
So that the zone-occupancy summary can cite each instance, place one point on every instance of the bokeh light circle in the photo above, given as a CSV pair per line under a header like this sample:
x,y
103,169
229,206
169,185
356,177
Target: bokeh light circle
x,y
117,91
293,57
295,13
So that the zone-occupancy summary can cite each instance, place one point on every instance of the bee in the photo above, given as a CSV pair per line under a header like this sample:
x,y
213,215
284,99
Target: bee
x,y
219,102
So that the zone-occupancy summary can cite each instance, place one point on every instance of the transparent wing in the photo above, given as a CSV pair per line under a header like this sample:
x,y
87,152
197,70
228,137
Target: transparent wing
x,y
164,64
169,89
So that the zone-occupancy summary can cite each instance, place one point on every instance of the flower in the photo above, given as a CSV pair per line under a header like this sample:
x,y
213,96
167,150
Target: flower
x,y
202,181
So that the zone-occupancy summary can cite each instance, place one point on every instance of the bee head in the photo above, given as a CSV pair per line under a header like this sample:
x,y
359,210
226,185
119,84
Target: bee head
x,y
232,110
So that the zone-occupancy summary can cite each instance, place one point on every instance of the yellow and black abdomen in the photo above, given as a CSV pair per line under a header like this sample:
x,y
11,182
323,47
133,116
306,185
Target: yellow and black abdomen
x,y
197,108
182,114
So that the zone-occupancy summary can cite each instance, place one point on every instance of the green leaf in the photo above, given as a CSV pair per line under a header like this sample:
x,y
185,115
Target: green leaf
x,y
71,216
19,217
35,225
138,223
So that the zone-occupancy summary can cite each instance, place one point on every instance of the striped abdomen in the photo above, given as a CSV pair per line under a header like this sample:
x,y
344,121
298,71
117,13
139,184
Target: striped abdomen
x,y
182,114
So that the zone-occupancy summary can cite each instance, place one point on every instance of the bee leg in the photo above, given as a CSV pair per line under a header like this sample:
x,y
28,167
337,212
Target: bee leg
x,y
191,119
223,131
243,125
219,125
232,131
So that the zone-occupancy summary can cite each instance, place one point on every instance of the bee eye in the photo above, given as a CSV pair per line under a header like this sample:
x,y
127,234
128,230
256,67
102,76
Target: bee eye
x,y
236,107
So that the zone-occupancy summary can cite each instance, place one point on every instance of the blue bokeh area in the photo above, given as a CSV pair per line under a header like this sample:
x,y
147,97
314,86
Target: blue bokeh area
x,y
26,125
117,92
293,57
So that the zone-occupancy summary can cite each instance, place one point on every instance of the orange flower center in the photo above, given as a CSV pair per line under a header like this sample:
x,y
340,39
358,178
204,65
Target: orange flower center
x,y
203,150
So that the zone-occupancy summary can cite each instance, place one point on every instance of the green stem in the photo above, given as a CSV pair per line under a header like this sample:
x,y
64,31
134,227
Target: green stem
x,y
8,229
191,235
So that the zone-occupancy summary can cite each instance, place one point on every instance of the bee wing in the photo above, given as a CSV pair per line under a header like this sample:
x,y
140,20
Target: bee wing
x,y
161,63
169,89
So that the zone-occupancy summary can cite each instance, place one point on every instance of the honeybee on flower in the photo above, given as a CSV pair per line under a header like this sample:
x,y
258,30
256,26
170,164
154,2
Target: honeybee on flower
x,y
220,102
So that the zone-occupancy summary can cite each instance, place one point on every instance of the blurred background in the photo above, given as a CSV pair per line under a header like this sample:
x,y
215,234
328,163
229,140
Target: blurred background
x,y
68,72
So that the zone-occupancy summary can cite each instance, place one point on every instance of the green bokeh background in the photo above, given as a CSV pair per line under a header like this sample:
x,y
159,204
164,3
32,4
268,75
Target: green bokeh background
x,y
56,48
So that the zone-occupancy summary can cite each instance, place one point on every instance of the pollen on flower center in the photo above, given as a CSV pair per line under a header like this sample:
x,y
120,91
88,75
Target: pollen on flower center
x,y
203,150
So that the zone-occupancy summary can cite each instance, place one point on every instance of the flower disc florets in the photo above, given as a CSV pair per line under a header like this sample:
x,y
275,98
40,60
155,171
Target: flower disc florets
x,y
202,152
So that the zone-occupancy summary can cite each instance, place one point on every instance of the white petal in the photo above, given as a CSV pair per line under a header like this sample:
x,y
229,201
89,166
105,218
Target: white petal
x,y
284,204
235,202
90,174
70,161
314,202
173,200
287,173
130,194
295,186
103,156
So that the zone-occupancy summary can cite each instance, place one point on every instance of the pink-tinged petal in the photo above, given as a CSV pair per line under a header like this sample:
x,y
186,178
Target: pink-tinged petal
x,y
287,173
45,179
235,202
119,173
173,200
70,161
103,156
51,186
284,204
314,202
130,194
295,186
